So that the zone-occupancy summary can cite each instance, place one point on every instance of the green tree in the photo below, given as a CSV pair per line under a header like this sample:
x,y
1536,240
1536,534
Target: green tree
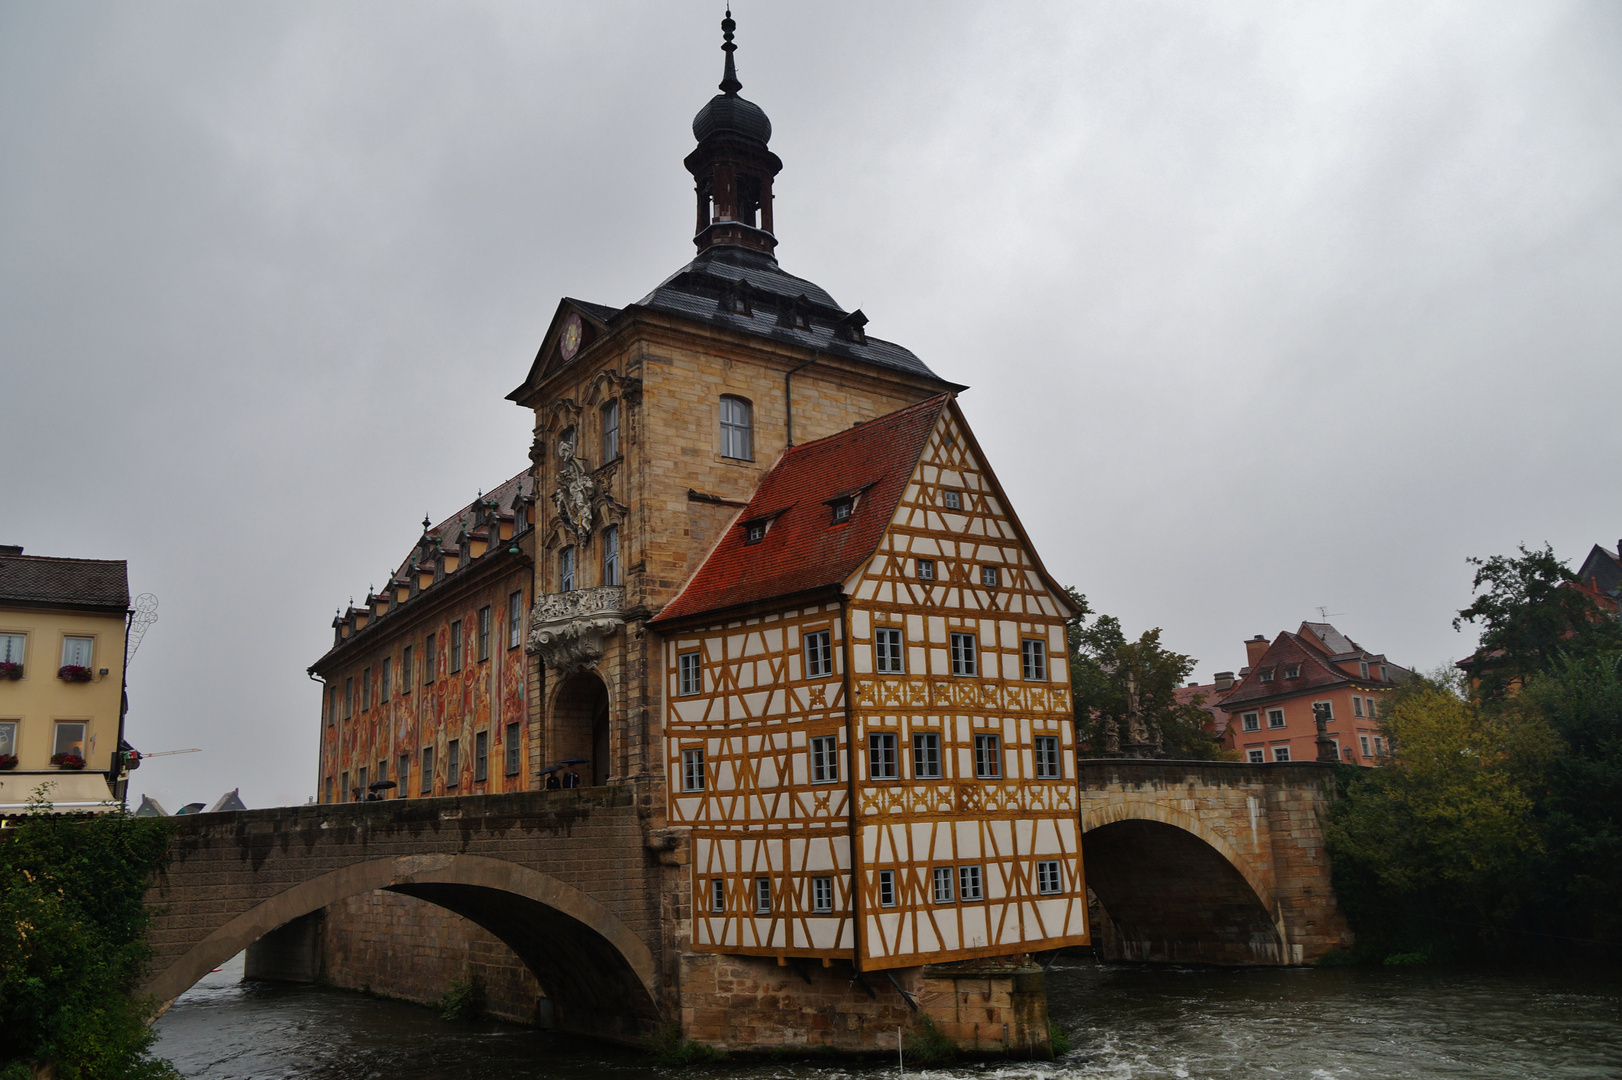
x,y
72,945
1102,661
1531,612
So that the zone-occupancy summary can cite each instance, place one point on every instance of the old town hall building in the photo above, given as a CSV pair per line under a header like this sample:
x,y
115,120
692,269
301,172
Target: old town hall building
x,y
773,586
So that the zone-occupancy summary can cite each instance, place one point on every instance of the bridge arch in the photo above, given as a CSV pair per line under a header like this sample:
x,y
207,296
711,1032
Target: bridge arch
x,y
602,977
1173,889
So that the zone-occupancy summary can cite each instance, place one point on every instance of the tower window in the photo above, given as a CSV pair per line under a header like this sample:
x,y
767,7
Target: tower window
x,y
566,569
737,429
611,431
611,555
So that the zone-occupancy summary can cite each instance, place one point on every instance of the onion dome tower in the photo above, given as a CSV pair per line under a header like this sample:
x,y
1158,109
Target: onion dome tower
x,y
731,166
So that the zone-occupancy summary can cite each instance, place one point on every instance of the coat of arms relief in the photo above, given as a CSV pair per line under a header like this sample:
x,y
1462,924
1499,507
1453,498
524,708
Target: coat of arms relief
x,y
569,630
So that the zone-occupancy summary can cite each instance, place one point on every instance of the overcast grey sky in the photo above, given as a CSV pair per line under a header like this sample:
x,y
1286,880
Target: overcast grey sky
x,y
1263,306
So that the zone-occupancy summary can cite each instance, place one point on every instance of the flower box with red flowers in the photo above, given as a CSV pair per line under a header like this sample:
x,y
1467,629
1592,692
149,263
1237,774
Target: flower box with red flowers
x,y
8,670
73,673
67,761
8,761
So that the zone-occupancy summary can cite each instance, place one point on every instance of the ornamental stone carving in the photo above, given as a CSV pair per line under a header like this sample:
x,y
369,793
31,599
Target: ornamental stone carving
x,y
569,630
574,494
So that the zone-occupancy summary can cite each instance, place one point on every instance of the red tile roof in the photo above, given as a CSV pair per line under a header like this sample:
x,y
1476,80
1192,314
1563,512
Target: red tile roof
x,y
1317,669
1208,694
803,550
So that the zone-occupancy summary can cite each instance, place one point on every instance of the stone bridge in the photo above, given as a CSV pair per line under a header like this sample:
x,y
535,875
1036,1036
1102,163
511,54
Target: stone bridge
x,y
1209,862
565,879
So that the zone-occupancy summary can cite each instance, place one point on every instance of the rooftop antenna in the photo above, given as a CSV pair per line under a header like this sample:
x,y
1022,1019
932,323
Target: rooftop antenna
x,y
1325,614
146,613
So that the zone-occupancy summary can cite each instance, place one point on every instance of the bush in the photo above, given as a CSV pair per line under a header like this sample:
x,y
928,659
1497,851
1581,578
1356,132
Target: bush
x,y
928,1044
1059,1040
463,999
671,1050
74,948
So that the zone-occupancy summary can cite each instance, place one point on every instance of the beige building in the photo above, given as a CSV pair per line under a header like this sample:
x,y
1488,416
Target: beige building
x,y
63,625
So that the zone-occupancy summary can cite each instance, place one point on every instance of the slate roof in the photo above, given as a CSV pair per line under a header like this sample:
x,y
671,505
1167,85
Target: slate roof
x,y
1602,570
699,289
43,581
803,549
446,531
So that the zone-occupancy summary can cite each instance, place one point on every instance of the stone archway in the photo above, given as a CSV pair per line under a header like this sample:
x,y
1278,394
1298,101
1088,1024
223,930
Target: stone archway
x,y
1174,891
602,978
580,725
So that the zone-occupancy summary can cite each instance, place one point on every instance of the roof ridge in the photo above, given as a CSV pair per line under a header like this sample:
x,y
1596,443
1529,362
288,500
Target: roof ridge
x,y
889,417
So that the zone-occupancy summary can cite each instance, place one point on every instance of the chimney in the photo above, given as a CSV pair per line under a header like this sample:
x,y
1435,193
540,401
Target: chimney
x,y
1224,681
1254,648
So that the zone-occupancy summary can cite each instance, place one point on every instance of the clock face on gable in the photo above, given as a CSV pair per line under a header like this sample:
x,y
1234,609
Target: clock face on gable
x,y
569,340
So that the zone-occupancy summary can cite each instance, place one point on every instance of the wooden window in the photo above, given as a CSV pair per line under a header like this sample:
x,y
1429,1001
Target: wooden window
x,y
987,757
990,576
737,429
1281,753
405,670
1047,758
1033,659
819,654
881,761
430,658
566,569
926,569
718,894
824,759
886,888
1251,721
387,681
402,775
944,889
456,645
763,896
887,651
1048,877
1257,757
1265,675
481,756
968,882
951,499
349,697
1357,707
515,619
427,770
611,555
1275,718
963,654
689,676
926,756
453,762
692,770
484,632
365,689
822,894
514,750
1363,742
611,431
77,651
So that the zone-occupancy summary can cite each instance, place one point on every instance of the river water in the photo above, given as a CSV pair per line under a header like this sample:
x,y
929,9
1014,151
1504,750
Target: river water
x,y
1123,1022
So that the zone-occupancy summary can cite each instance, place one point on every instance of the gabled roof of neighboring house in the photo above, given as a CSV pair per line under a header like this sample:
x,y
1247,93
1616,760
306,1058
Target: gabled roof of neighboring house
x,y
229,801
1185,695
43,581
803,549
1316,663
1602,570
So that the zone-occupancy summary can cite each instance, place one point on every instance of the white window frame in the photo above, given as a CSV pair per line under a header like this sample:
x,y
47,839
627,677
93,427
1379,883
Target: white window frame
x,y
487,618
1048,763
10,641
8,736
951,499
1363,742
1281,753
819,654
1033,659
1256,755
970,884
822,895
1357,708
926,755
991,577
881,756
987,756
566,569
89,647
512,751
692,769
1275,719
925,569
886,888
611,431
1329,710
60,726
737,428
453,762
718,894
889,650
763,896
1250,721
963,654
427,771
1049,877
943,884
611,555
824,752
689,674
515,619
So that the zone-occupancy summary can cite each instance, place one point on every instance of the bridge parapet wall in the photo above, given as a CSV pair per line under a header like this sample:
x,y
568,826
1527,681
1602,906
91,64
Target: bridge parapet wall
x,y
1264,821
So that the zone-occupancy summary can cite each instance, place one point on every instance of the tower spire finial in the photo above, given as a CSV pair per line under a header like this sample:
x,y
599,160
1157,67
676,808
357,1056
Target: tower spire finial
x,y
729,78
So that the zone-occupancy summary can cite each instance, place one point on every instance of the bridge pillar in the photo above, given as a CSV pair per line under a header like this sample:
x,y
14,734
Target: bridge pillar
x,y
289,953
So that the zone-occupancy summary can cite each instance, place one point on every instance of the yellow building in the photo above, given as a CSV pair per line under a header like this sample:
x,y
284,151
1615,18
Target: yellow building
x,y
63,625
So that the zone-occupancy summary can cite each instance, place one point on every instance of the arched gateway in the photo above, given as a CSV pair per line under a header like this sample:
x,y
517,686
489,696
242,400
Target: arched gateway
x,y
1209,862
562,878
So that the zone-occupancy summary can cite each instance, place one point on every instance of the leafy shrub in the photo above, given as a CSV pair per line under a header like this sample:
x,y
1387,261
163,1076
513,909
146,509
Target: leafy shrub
x,y
464,999
927,1044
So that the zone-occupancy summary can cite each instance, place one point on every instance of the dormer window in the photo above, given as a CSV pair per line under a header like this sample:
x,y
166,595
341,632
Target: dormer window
x,y
1293,671
850,328
842,509
1363,668
1265,674
754,532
